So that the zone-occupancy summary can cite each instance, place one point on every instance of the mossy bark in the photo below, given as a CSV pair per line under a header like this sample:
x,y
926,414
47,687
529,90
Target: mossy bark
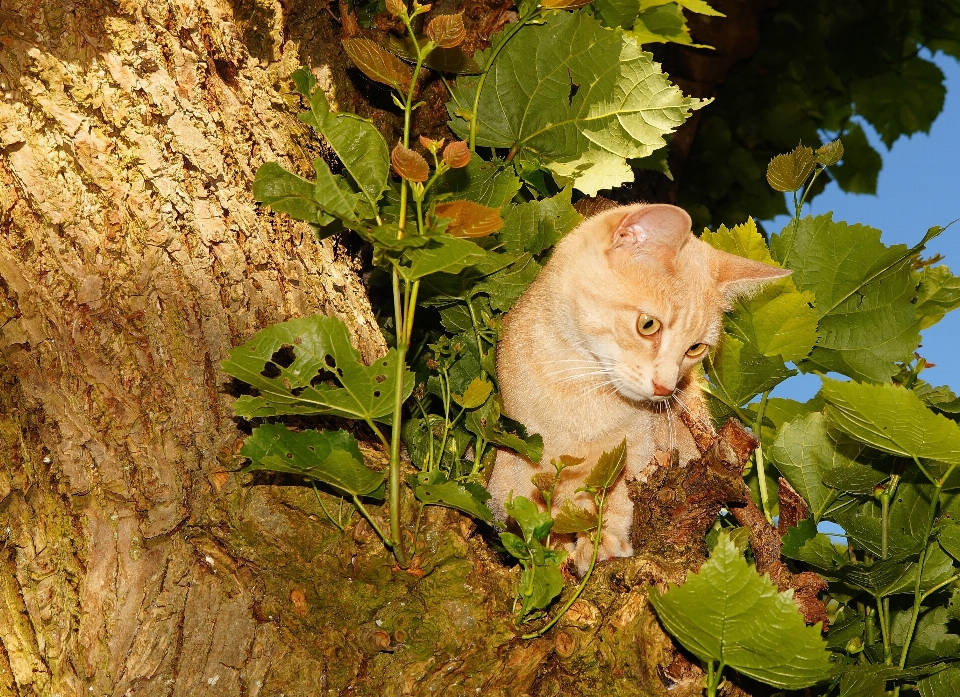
x,y
135,560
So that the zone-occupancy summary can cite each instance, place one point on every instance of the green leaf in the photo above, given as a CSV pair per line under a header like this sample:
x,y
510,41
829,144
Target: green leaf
x,y
505,286
943,684
804,543
617,13
866,680
622,109
738,372
515,545
860,168
434,488
864,291
608,468
332,457
806,451
933,639
662,24
442,254
572,518
779,320
487,183
536,226
729,614
950,539
534,523
322,352
700,7
487,422
904,102
285,192
938,293
357,142
541,580
332,196
475,395
829,153
892,419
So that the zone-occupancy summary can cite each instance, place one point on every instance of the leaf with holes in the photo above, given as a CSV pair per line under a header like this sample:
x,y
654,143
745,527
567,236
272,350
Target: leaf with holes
x,y
309,366
331,457
583,100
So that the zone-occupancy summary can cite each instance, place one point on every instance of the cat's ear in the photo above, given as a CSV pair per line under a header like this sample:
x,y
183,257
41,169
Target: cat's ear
x,y
658,231
737,276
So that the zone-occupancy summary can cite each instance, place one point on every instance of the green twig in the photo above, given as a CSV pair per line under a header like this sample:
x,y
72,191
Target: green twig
x,y
758,457
388,543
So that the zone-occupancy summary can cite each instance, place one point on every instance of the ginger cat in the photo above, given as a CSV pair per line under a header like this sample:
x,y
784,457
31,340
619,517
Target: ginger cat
x,y
603,344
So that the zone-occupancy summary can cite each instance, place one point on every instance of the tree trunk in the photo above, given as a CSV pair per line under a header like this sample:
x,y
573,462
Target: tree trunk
x,y
132,257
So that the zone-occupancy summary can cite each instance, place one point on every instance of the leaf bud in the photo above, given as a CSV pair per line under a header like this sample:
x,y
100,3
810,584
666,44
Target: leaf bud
x,y
419,9
457,154
447,31
431,145
409,164
398,8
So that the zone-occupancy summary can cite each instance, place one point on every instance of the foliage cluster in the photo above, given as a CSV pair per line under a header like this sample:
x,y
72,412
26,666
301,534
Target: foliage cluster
x,y
823,70
457,239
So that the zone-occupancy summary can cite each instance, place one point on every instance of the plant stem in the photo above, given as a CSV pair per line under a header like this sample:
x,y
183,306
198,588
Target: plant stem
x,y
758,456
882,614
323,506
917,597
387,542
474,119
586,577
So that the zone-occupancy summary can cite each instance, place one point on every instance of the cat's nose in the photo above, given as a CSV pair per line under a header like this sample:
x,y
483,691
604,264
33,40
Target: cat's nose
x,y
661,391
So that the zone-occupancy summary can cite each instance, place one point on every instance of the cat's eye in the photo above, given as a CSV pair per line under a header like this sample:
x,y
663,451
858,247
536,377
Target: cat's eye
x,y
697,350
647,325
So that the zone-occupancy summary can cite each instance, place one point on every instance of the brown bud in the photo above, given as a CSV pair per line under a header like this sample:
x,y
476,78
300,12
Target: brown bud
x,y
446,31
457,154
299,600
396,7
431,145
409,164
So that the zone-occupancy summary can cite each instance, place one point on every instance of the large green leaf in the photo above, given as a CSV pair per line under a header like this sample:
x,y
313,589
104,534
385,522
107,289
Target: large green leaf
x,y
332,457
778,320
322,353
892,419
622,108
487,183
812,458
728,613
864,295
357,142
934,638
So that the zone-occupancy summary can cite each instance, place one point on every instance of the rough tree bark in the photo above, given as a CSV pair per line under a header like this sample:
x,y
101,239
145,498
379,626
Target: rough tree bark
x,y
134,559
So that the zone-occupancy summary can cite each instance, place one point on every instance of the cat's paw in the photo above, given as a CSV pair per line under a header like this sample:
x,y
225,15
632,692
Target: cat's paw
x,y
611,545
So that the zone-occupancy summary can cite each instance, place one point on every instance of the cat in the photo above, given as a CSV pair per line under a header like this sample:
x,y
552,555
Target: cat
x,y
603,344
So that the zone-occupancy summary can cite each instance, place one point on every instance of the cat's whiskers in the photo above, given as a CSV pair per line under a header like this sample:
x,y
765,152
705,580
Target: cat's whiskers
x,y
699,421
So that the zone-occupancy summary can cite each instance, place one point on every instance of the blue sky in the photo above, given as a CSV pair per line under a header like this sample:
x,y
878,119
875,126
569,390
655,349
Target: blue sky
x,y
919,187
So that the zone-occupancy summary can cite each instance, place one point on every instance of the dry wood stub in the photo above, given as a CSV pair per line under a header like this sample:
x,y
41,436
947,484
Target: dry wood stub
x,y
132,257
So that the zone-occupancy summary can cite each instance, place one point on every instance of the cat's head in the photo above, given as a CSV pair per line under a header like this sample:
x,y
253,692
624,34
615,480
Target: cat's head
x,y
645,297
